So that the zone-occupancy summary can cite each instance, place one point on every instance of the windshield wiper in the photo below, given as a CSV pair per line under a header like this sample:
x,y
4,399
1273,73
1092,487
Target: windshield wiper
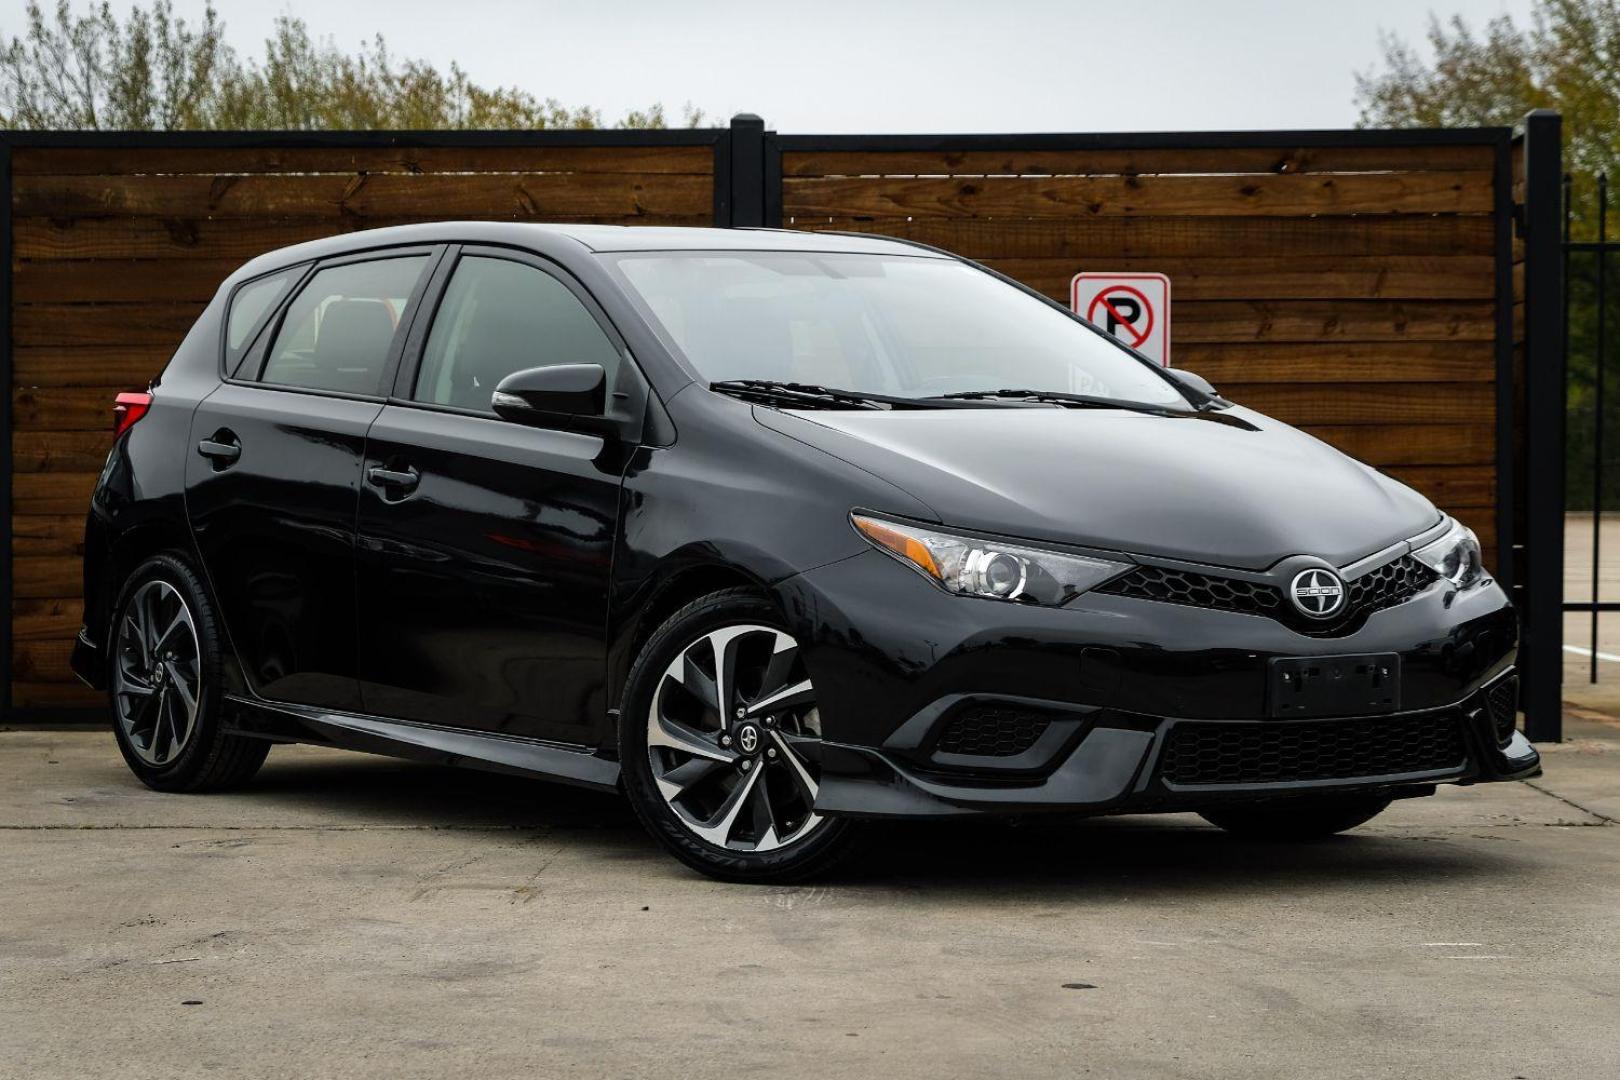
x,y
811,396
1078,401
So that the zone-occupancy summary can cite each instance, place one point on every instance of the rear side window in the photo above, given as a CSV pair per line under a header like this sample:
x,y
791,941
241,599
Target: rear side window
x,y
337,331
250,307
500,316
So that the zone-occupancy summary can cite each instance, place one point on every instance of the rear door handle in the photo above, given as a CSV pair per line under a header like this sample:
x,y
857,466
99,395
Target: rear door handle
x,y
221,452
402,480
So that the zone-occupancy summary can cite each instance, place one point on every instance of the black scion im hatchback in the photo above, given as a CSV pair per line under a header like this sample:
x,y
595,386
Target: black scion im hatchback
x,y
774,531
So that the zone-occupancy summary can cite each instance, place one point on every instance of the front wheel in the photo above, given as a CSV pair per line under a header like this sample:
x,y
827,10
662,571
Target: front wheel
x,y
720,744
1298,819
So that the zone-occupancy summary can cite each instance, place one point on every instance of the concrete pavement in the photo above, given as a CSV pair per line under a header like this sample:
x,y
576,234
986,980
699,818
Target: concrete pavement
x,y
353,916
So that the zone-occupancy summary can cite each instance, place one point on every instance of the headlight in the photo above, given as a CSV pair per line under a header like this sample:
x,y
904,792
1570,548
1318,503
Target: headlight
x,y
1455,556
974,566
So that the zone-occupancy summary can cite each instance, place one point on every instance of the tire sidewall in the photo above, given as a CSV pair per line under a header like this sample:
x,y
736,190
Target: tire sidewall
x,y
809,856
194,760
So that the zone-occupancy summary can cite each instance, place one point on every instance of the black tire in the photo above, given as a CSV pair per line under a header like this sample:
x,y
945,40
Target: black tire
x,y
831,840
1298,819
209,758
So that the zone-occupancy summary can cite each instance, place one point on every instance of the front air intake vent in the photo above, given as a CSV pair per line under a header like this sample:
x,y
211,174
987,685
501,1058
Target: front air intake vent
x,y
992,731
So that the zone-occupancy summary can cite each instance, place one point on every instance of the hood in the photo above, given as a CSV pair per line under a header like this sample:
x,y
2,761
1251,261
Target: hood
x,y
1230,489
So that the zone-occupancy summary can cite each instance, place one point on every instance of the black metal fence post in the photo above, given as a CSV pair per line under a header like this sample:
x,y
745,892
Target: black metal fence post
x,y
747,171
7,607
1543,616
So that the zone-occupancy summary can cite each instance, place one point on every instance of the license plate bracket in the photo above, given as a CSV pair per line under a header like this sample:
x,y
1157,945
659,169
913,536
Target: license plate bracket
x,y
1367,684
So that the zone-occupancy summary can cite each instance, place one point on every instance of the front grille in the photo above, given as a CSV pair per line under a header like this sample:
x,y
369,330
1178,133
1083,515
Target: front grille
x,y
1197,590
1299,750
1502,701
1393,583
992,731
1396,582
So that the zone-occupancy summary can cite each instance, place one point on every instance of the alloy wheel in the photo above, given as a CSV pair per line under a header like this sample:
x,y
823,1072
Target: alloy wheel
x,y
733,735
157,673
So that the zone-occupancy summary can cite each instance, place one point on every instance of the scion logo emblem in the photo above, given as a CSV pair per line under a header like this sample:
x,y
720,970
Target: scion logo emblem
x,y
748,738
1317,593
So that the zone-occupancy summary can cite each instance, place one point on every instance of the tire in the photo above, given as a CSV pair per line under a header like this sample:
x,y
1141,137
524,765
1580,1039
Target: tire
x,y
1298,820
164,684
728,796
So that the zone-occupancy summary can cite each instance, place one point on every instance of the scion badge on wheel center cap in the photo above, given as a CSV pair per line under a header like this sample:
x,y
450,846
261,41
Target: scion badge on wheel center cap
x,y
748,738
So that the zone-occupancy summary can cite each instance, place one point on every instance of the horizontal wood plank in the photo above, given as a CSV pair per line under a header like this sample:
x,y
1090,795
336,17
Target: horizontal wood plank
x,y
538,196
56,450
1282,277
81,281
42,661
52,493
1388,445
1295,195
1111,238
107,325
128,367
46,575
1331,320
193,235
48,534
1340,362
1240,159
116,161
1378,403
1451,487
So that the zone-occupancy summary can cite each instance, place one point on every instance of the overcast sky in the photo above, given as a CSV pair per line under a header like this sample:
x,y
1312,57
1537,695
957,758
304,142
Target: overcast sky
x,y
897,65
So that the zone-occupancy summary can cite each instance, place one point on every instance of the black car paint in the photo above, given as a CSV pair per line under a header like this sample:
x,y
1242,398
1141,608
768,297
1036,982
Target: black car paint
x,y
489,615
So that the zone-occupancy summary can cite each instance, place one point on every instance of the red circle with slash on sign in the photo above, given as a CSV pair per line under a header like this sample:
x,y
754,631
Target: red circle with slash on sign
x,y
1101,300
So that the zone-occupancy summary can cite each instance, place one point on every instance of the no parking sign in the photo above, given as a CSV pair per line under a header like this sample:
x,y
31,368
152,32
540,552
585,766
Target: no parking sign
x,y
1133,307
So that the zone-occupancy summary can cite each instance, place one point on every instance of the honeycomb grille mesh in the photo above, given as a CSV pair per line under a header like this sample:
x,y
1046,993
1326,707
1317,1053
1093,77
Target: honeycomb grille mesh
x,y
1303,750
1197,590
992,731
1393,583
1503,702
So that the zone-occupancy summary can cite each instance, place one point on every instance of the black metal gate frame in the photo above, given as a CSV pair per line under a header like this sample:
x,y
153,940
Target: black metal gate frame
x,y
748,193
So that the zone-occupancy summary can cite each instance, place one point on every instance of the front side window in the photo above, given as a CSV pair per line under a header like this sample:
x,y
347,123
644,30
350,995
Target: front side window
x,y
909,326
500,316
337,331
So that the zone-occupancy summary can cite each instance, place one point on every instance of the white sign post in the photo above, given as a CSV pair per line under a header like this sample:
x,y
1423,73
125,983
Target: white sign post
x,y
1133,307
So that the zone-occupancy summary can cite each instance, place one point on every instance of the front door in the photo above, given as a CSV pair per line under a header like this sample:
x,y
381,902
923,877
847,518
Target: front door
x,y
274,473
485,546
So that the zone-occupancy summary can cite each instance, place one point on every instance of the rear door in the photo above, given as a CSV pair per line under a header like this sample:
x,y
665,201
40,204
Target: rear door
x,y
485,546
274,474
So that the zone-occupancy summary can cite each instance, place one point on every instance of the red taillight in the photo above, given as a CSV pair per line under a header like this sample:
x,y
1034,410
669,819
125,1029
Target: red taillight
x,y
128,408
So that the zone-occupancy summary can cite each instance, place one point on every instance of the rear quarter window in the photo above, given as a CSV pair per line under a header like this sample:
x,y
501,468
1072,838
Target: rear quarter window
x,y
251,307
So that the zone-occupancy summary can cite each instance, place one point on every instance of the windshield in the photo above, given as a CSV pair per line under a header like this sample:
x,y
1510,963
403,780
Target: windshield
x,y
906,326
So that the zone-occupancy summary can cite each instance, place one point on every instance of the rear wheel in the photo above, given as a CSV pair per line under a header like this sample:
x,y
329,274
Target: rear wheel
x,y
720,743
1301,819
163,684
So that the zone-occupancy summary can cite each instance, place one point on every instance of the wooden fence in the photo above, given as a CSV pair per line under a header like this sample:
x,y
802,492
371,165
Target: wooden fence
x,y
1358,284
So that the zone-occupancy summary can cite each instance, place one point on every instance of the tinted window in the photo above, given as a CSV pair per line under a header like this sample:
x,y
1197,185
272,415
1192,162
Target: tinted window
x,y
336,333
905,325
498,317
250,307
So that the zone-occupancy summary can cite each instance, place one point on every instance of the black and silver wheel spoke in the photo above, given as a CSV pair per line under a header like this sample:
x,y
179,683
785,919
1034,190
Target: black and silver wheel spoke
x,y
731,736
157,673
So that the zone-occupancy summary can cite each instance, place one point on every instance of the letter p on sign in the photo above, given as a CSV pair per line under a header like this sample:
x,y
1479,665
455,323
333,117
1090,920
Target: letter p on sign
x,y
1135,308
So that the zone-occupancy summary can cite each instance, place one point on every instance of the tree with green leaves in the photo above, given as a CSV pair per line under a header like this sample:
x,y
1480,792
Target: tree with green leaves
x,y
1567,59
154,71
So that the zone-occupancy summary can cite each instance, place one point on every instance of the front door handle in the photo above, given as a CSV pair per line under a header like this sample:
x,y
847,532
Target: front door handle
x,y
401,480
222,449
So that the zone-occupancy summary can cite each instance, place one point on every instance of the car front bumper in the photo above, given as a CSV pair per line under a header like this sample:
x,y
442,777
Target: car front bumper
x,y
1114,704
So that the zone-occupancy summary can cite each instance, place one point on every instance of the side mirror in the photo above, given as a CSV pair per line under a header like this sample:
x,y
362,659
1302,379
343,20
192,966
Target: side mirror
x,y
572,396
1192,381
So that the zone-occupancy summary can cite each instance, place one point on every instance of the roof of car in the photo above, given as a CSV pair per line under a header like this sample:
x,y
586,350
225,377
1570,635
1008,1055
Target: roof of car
x,y
597,238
